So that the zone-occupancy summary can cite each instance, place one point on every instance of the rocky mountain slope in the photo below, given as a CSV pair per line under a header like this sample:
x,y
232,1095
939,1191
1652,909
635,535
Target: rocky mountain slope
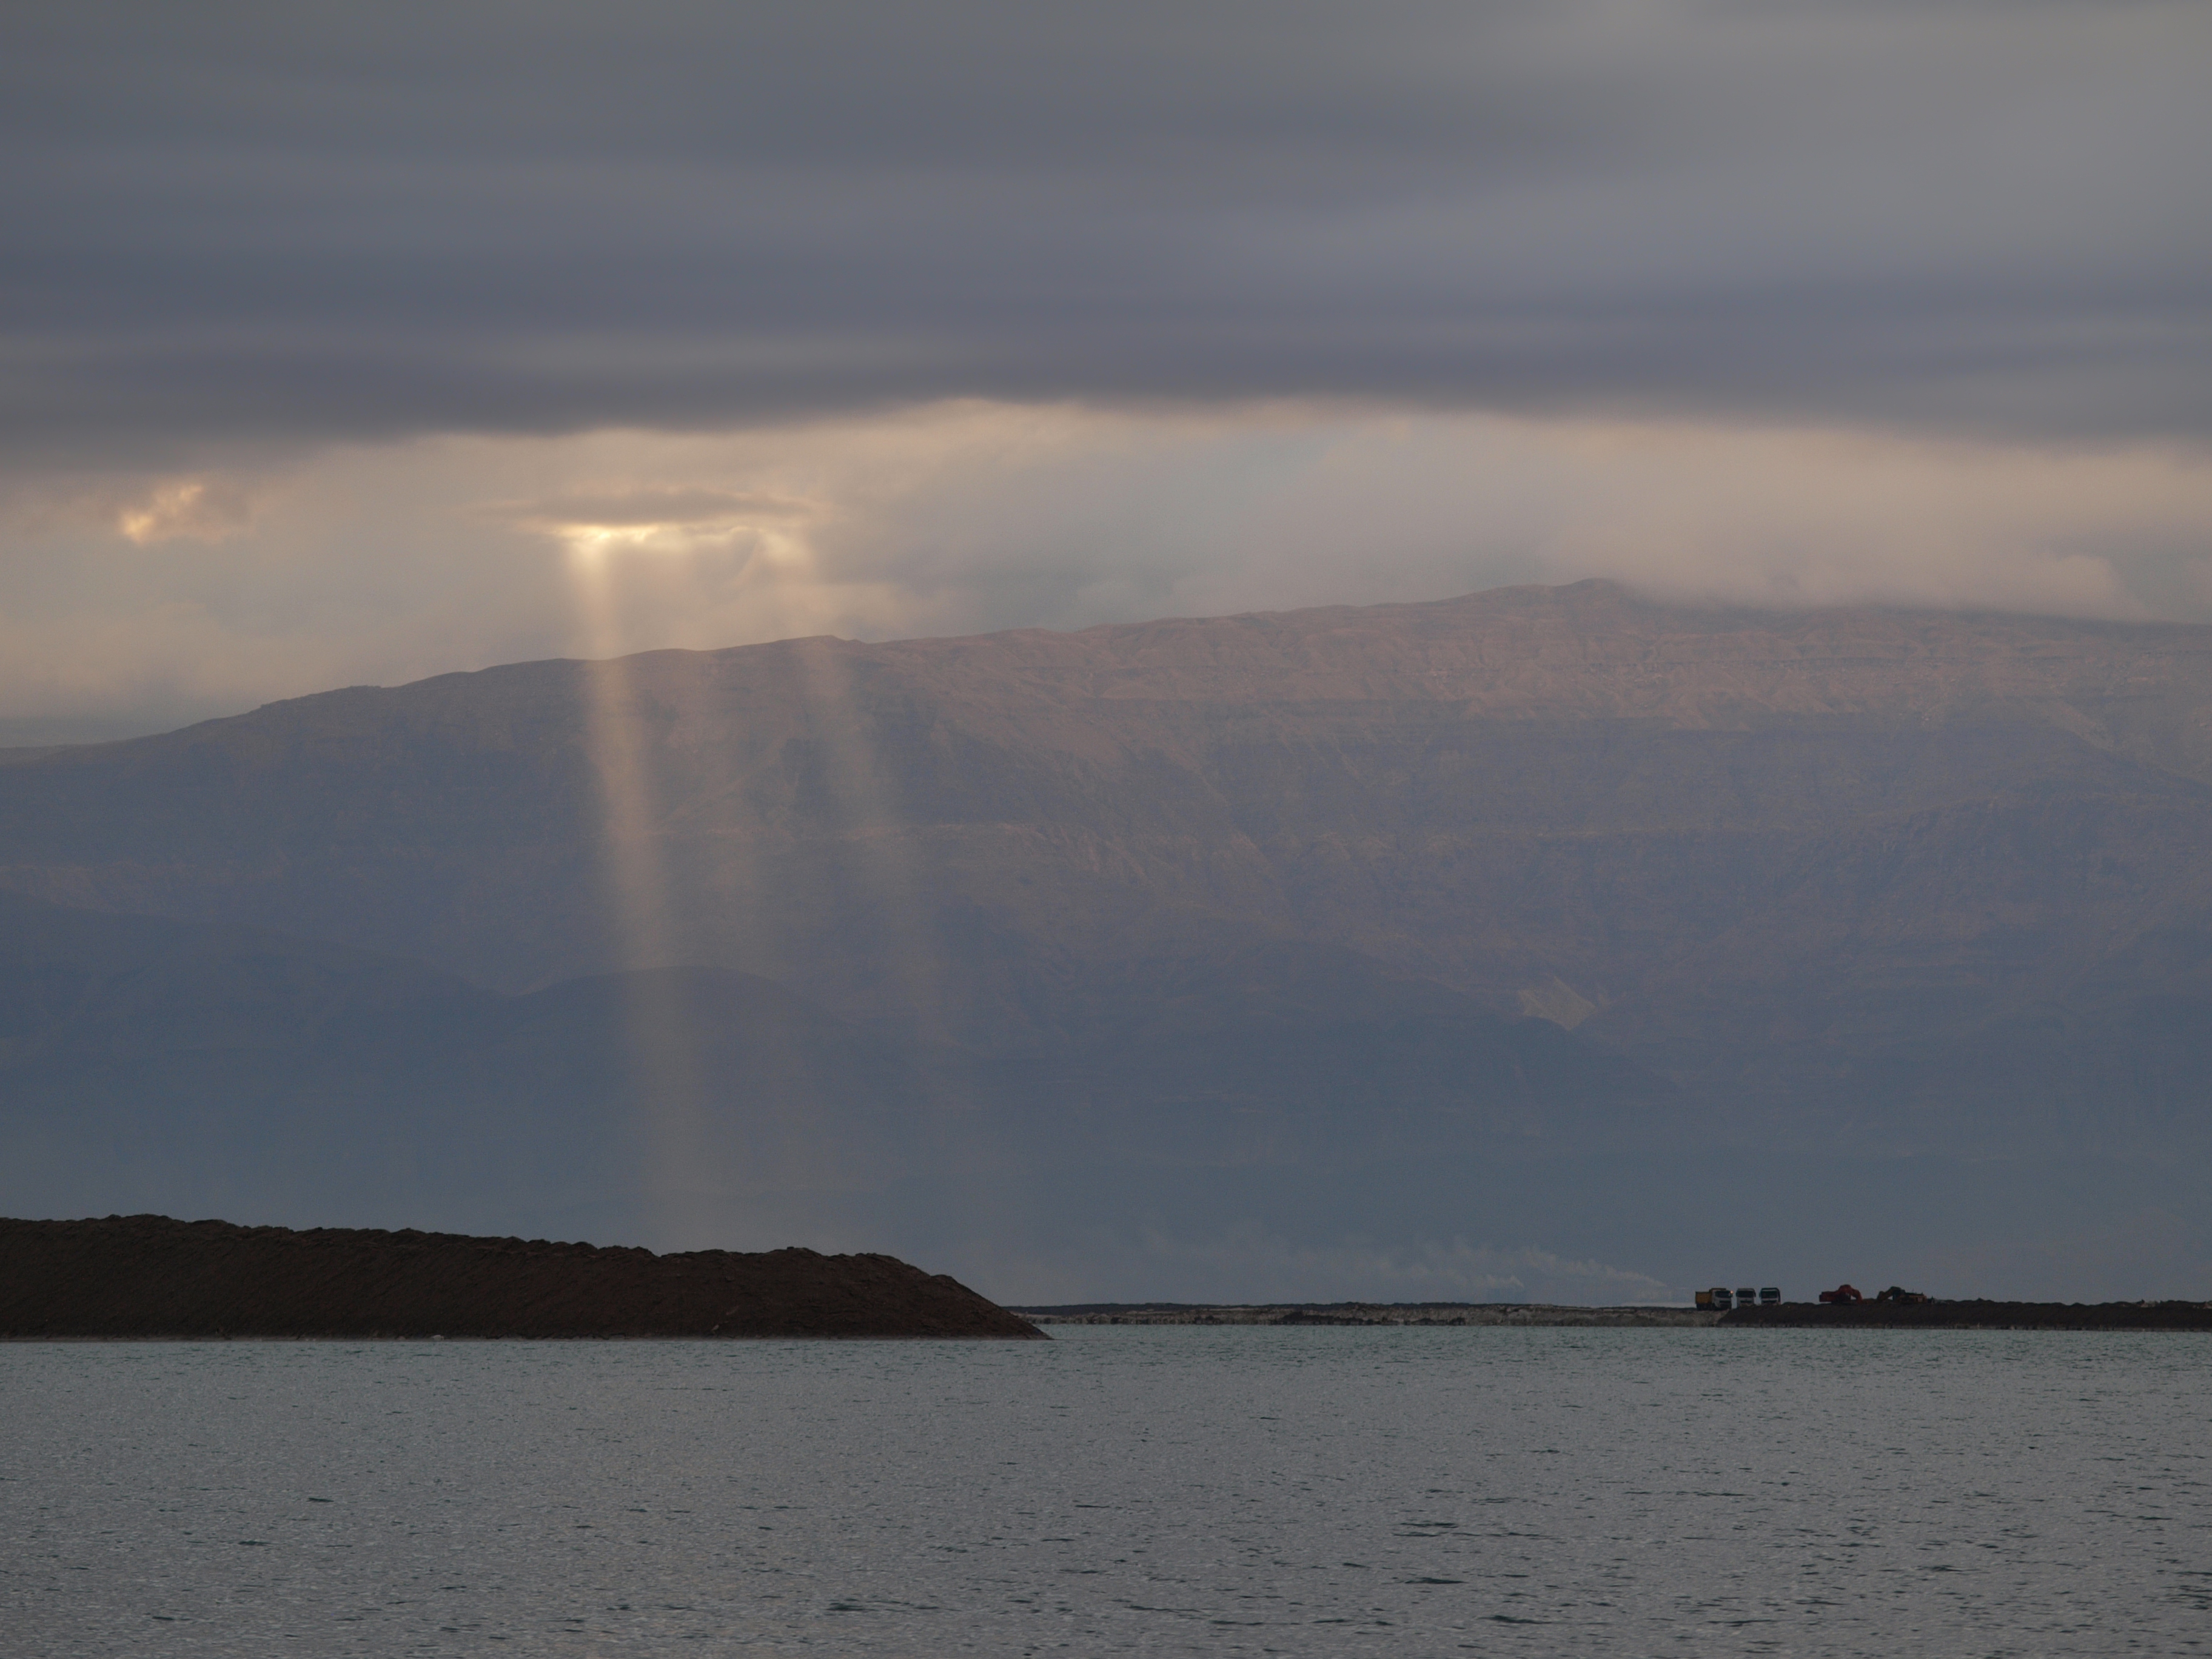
x,y
1568,869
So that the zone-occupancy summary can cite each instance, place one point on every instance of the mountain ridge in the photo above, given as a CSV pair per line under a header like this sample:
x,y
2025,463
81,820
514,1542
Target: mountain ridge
x,y
1935,883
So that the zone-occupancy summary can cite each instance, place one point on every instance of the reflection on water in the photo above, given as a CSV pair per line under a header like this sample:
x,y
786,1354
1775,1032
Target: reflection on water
x,y
1119,1490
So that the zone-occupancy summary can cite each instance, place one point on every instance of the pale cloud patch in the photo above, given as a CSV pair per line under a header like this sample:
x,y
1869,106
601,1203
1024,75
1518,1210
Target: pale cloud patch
x,y
655,505
1814,518
384,564
185,509
654,517
707,541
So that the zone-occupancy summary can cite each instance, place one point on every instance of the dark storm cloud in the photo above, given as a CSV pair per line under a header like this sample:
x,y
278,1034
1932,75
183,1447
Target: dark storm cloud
x,y
303,222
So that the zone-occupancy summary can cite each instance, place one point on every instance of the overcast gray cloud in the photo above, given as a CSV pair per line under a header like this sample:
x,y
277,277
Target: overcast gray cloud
x,y
354,343
281,224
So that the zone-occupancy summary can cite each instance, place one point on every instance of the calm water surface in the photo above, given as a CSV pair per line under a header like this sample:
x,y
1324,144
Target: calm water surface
x,y
1118,1490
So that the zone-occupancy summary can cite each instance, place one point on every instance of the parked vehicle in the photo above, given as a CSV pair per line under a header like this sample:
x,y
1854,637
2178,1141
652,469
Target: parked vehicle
x,y
1767,1296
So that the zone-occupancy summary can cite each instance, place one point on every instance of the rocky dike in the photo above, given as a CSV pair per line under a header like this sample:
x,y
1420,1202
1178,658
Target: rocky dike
x,y
150,1276
1981,1316
1362,1313
1930,1316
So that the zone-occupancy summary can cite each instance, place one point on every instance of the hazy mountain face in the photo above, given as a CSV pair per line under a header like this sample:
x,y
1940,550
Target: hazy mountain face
x,y
1560,874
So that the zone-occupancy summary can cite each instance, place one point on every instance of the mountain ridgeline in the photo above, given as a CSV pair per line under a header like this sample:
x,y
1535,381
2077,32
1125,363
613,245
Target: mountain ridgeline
x,y
1560,919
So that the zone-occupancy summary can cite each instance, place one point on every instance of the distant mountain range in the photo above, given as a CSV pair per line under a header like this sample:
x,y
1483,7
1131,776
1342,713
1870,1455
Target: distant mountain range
x,y
1483,938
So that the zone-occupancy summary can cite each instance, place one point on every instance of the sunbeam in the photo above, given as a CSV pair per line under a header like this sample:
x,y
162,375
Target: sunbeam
x,y
664,1043
730,1151
874,846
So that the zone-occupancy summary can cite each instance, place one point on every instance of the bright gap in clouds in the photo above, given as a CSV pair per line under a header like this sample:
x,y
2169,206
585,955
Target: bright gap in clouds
x,y
134,604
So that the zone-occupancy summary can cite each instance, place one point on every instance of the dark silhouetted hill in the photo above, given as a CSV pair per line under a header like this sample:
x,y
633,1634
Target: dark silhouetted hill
x,y
149,1276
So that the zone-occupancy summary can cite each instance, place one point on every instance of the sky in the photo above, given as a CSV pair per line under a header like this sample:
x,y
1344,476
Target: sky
x,y
348,344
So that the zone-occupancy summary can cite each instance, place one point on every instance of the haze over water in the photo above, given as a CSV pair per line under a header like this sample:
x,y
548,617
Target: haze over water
x,y
1120,1490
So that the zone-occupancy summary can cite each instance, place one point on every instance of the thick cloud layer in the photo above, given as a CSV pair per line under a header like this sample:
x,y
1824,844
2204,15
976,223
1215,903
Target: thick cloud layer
x,y
281,224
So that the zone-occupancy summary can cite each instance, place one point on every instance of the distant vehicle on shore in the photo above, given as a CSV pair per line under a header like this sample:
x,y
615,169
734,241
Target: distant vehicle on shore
x,y
1845,1295
1767,1296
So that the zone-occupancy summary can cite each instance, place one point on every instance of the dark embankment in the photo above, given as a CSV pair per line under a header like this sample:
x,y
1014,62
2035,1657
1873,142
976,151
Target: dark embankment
x,y
149,1276
1985,1315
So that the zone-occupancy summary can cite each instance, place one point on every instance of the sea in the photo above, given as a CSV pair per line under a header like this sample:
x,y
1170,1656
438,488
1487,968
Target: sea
x,y
1140,1490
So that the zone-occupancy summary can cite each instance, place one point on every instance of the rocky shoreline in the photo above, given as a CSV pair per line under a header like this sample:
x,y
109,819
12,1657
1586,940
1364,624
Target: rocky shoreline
x,y
1931,1315
1980,1316
150,1276
1362,1313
